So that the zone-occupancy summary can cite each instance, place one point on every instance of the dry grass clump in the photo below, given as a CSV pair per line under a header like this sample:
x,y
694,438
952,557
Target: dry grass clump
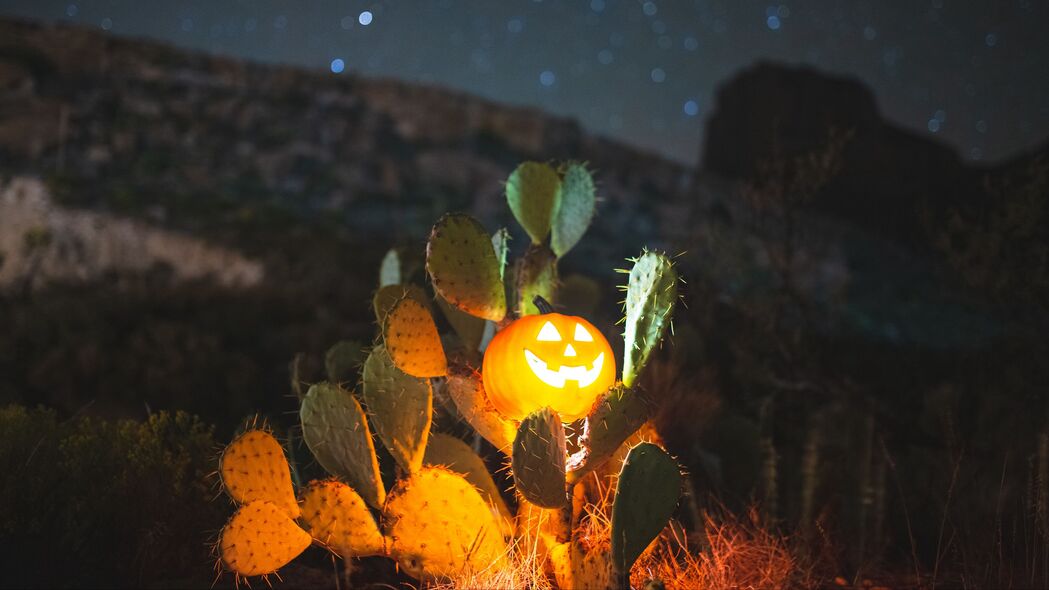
x,y
740,555
522,568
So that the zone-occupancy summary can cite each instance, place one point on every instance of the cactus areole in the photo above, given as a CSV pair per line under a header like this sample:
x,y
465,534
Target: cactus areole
x,y
548,360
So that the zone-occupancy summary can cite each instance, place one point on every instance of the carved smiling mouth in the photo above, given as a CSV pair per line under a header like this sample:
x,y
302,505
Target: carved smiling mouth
x,y
578,373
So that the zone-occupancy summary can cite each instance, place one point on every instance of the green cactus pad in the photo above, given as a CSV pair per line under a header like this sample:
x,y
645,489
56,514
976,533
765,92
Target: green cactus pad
x,y
387,297
611,422
343,361
538,460
467,393
463,267
336,431
536,275
647,493
469,329
412,341
650,300
400,406
457,456
532,192
574,209
390,269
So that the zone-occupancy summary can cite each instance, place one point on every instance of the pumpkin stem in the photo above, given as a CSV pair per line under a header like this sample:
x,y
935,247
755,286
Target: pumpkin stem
x,y
542,304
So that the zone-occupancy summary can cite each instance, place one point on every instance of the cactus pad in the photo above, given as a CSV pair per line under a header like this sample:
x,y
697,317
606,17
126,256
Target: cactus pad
x,y
387,297
259,539
539,459
336,516
254,467
401,408
532,192
412,340
467,393
343,360
463,267
390,269
650,299
581,570
647,493
574,209
336,431
440,526
536,275
619,414
457,456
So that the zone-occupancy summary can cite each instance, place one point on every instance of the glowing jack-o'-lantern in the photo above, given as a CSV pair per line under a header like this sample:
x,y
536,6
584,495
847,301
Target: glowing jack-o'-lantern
x,y
552,360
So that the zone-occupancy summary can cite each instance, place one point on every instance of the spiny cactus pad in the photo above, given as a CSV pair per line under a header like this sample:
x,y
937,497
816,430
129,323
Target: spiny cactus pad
x,y
336,431
412,340
532,192
337,517
574,209
254,467
390,269
539,459
260,538
536,275
401,408
650,299
647,493
581,570
467,393
463,267
611,421
387,297
455,455
439,526
343,361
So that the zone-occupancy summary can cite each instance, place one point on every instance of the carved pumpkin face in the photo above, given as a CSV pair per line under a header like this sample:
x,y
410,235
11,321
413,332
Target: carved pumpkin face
x,y
550,360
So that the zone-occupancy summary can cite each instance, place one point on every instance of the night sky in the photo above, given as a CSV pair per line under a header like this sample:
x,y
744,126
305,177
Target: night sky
x,y
974,74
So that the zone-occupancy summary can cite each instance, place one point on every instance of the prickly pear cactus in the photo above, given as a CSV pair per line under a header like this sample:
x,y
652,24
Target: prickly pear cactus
x,y
532,192
412,341
337,517
463,267
573,210
538,459
336,431
260,538
650,299
647,493
439,526
446,517
577,569
467,393
253,467
612,421
388,296
536,275
456,456
401,408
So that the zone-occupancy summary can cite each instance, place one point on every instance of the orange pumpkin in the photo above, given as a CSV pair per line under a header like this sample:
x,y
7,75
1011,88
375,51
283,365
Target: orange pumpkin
x,y
552,360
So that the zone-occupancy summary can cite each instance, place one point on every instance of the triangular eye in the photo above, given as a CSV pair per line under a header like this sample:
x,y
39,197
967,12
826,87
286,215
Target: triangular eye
x,y
548,333
582,334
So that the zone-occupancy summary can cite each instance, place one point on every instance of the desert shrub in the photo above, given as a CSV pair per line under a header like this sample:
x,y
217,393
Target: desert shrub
x,y
104,503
